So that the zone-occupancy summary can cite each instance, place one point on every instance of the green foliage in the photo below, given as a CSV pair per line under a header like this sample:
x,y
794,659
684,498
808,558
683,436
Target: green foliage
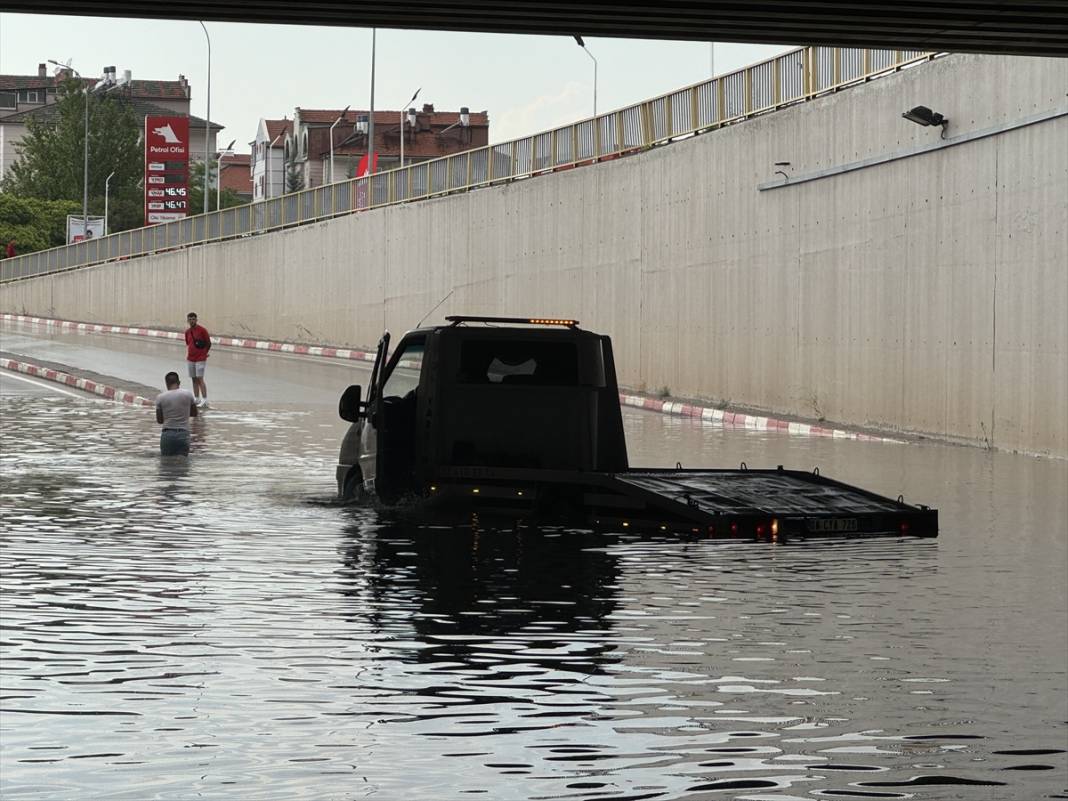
x,y
294,180
227,199
34,224
51,156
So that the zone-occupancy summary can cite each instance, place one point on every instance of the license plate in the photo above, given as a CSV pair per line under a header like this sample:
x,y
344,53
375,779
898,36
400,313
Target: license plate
x,y
832,525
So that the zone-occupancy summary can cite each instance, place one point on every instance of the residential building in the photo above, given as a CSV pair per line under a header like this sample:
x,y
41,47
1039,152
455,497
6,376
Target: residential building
x,y
33,96
428,134
234,174
268,158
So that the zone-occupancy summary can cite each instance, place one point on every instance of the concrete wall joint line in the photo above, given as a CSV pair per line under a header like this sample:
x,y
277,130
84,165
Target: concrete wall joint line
x,y
907,154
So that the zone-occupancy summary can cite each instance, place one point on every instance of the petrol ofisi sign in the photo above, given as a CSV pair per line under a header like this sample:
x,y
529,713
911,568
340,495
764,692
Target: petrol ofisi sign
x,y
166,169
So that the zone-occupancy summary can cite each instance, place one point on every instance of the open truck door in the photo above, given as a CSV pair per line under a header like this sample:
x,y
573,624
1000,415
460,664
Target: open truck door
x,y
393,415
357,462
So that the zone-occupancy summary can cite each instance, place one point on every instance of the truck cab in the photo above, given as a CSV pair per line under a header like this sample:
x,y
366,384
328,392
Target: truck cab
x,y
481,394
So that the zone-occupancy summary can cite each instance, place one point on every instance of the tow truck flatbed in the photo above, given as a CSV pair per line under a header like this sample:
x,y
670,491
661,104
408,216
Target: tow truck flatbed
x,y
762,504
521,420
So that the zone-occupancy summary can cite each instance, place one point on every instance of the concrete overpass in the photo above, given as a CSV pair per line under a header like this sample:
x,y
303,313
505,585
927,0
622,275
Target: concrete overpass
x,y
884,277
1024,27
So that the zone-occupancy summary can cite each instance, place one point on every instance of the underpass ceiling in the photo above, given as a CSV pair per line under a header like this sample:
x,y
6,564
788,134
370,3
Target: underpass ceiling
x,y
1026,27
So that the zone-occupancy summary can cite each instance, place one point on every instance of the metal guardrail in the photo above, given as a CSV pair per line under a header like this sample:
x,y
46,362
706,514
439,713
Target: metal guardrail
x,y
793,77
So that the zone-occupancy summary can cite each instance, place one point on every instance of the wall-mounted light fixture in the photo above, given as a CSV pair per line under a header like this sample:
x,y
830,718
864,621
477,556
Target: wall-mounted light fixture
x,y
780,171
921,115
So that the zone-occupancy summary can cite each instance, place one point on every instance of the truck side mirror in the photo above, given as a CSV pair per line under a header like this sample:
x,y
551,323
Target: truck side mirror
x,y
349,407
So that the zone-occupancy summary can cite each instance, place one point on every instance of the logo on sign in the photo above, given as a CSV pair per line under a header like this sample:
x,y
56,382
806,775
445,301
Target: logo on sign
x,y
168,134
166,187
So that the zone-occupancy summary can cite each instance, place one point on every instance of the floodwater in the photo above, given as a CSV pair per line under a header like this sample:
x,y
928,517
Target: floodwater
x,y
216,627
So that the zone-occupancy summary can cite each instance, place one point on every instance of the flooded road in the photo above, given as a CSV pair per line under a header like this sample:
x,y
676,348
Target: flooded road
x,y
218,627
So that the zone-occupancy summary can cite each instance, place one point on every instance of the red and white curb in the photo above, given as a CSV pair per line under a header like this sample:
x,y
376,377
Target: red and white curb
x,y
232,342
730,419
708,414
84,384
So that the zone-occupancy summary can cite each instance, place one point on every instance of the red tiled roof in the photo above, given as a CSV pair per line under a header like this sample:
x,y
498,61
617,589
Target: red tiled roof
x,y
142,108
10,82
276,127
424,144
158,90
327,117
148,90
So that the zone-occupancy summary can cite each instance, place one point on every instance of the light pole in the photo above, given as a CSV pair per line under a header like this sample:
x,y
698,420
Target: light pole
x,y
402,113
105,83
107,190
218,173
207,121
582,44
371,115
339,119
85,165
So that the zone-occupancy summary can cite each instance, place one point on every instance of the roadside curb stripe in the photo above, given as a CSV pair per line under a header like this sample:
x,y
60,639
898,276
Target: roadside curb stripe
x,y
723,417
729,419
85,384
326,351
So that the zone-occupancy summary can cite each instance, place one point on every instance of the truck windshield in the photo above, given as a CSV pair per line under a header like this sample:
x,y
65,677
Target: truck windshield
x,y
533,363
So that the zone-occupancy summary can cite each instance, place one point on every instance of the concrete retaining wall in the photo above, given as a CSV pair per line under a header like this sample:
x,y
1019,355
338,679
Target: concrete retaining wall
x,y
924,293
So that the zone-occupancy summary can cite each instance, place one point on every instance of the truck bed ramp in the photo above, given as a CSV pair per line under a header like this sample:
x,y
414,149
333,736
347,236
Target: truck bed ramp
x,y
772,504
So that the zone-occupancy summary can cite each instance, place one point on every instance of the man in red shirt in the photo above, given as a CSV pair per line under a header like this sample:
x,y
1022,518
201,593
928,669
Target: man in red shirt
x,y
197,344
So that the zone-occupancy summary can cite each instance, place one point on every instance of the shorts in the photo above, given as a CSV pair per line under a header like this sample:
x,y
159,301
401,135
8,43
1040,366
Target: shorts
x,y
174,441
196,369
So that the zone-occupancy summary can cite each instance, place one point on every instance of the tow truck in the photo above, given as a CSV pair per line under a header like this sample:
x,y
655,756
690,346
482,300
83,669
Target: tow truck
x,y
518,419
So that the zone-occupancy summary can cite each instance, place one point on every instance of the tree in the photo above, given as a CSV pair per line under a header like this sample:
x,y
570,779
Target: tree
x,y
294,180
51,155
227,199
34,224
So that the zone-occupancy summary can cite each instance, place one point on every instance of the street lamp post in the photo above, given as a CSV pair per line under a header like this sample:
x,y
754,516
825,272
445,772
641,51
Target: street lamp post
x,y
218,173
207,121
105,83
339,119
85,164
371,115
402,113
582,44
107,190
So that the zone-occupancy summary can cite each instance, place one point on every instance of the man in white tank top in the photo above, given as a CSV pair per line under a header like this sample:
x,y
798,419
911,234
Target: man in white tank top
x,y
173,410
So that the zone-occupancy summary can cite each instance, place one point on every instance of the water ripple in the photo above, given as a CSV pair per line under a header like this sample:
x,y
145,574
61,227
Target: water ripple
x,y
218,627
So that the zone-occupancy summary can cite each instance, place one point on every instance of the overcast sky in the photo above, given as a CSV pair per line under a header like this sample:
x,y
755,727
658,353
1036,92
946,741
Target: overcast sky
x,y
526,83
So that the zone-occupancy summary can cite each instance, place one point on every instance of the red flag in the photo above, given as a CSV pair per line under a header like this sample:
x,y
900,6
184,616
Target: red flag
x,y
361,169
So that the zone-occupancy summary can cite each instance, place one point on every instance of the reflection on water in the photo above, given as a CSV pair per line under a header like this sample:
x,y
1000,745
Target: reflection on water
x,y
214,627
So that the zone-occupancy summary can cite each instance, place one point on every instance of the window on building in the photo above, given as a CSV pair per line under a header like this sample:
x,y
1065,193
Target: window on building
x,y
8,100
31,95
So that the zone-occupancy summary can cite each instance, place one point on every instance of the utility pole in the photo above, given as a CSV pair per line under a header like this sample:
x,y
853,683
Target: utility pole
x,y
207,122
371,116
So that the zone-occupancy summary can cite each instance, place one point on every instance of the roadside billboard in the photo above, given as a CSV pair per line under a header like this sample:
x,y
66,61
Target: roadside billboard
x,y
166,168
77,229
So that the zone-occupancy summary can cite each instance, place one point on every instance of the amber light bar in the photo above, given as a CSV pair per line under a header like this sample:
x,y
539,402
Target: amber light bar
x,y
456,319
